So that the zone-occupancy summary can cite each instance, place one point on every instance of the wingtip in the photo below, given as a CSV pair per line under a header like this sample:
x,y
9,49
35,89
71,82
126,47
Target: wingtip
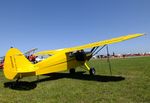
x,y
142,34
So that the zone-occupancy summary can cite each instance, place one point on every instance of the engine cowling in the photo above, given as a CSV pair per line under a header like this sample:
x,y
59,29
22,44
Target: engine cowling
x,y
80,55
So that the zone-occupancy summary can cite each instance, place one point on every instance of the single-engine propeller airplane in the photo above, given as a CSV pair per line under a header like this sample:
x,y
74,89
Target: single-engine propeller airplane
x,y
17,66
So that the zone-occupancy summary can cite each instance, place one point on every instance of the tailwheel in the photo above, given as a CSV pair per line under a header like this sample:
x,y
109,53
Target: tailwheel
x,y
17,81
72,71
92,71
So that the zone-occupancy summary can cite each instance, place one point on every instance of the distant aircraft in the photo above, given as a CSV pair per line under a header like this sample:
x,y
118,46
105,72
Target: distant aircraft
x,y
17,66
1,62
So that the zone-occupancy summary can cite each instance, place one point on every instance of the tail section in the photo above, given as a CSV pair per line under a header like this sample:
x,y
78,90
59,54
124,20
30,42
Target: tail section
x,y
16,65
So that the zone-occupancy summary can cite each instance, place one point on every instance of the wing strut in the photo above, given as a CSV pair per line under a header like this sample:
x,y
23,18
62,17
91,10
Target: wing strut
x,y
94,49
95,52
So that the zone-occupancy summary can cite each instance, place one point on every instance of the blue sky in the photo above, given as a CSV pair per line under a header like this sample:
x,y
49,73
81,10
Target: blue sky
x,y
54,24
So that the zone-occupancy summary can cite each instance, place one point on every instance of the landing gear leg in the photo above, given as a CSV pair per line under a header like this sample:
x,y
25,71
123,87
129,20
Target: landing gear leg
x,y
16,83
92,71
17,80
37,77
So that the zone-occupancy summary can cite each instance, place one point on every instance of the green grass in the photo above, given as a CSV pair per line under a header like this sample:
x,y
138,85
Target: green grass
x,y
129,83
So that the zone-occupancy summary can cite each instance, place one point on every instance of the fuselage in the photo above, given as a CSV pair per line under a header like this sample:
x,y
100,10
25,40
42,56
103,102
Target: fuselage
x,y
62,61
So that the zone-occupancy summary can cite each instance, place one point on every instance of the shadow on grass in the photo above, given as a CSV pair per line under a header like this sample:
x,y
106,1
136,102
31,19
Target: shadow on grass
x,y
22,85
81,76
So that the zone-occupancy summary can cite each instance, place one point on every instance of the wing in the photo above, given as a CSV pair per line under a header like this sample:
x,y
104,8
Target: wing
x,y
91,45
50,52
104,42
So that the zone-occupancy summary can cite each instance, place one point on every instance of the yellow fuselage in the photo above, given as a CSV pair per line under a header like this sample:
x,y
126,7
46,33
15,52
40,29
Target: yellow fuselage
x,y
59,62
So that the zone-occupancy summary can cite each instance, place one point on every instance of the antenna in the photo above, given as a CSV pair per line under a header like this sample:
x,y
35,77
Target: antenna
x,y
108,59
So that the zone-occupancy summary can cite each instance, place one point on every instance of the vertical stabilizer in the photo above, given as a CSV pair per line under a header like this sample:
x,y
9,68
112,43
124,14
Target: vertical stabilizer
x,y
16,65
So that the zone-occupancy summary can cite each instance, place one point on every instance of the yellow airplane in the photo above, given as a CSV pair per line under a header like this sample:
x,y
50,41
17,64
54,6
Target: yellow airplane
x,y
17,66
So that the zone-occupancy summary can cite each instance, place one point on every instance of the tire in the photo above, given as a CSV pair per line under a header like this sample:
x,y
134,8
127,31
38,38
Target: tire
x,y
92,71
72,71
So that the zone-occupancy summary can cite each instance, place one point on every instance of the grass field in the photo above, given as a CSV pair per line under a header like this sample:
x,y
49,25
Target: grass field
x,y
129,83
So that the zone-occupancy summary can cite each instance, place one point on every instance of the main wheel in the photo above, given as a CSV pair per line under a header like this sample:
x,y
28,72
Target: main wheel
x,y
72,71
92,71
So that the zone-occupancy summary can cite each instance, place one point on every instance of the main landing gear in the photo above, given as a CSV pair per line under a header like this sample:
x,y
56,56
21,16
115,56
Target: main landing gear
x,y
92,71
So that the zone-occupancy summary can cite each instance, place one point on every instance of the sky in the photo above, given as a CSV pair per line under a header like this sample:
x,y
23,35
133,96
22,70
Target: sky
x,y
55,24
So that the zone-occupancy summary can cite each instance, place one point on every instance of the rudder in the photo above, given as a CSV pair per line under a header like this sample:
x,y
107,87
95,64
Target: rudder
x,y
16,65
